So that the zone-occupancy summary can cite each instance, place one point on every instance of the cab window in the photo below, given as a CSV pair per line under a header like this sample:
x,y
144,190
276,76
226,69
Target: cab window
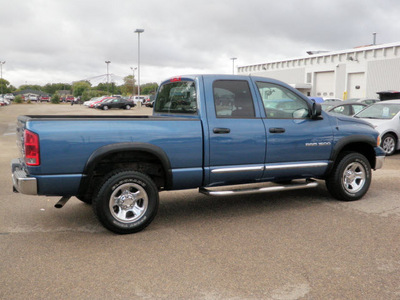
x,y
233,99
281,103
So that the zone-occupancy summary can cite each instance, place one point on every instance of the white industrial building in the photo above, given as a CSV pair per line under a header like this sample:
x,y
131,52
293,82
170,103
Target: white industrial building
x,y
355,73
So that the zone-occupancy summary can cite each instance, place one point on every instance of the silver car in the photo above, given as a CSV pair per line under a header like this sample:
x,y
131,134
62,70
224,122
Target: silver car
x,y
385,117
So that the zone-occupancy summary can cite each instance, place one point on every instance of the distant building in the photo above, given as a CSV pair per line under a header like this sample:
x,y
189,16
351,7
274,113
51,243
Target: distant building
x,y
355,73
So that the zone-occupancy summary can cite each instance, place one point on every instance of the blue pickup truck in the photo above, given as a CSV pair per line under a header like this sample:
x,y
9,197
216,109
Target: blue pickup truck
x,y
217,133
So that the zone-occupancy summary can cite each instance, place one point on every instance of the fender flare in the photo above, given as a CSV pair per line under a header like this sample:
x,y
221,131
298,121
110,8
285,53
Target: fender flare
x,y
352,139
103,151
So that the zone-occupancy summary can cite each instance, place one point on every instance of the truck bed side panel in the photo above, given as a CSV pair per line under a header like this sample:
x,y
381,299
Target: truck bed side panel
x,y
70,142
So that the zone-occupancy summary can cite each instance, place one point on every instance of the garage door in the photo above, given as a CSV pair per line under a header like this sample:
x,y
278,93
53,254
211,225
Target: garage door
x,y
355,85
325,84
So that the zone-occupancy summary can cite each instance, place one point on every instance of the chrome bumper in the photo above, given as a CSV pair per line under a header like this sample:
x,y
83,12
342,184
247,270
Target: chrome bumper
x,y
22,183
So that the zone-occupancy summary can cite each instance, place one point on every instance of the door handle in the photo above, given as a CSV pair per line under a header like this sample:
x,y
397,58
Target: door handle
x,y
277,130
221,130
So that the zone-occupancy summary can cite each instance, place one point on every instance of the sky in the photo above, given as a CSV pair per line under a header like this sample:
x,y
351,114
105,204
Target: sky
x,y
53,41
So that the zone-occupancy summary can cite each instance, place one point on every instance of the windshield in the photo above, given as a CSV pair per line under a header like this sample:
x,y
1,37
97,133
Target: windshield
x,y
380,111
177,97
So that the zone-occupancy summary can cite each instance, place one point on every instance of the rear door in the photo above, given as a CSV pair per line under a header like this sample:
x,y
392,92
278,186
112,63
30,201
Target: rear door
x,y
236,131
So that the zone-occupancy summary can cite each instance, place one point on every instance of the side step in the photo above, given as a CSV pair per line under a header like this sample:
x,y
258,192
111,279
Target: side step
x,y
259,189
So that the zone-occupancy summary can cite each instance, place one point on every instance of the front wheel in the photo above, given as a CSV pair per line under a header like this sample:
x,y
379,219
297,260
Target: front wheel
x,y
388,144
350,178
127,202
105,107
128,107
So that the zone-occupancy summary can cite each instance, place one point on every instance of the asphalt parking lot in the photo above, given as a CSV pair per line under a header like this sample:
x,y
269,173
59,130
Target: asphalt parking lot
x,y
288,245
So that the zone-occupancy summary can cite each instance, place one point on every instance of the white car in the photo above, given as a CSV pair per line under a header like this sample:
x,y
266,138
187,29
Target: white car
x,y
385,117
137,99
87,103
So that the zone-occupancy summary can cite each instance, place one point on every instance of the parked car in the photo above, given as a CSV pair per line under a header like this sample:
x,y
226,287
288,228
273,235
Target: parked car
x,y
3,101
94,99
139,99
368,101
124,162
317,99
348,108
93,104
45,98
149,102
9,97
332,100
385,117
33,98
115,103
69,99
388,95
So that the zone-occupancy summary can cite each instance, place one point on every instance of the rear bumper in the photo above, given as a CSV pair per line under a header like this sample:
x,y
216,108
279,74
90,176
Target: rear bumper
x,y
22,183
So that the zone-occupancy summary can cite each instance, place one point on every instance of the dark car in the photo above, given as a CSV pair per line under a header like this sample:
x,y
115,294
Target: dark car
x,y
348,108
115,103
388,95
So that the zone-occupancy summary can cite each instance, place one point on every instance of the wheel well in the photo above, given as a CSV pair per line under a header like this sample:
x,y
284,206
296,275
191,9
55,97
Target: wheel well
x,y
392,133
365,149
140,161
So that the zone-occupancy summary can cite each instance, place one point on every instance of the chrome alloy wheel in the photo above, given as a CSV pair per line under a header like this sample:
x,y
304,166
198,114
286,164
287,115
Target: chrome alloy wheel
x,y
354,177
128,203
388,144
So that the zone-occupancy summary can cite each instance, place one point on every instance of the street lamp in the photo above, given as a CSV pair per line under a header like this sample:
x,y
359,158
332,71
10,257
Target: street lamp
x,y
1,76
107,62
133,81
233,65
139,31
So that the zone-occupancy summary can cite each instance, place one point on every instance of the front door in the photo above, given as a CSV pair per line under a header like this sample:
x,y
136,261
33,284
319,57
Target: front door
x,y
296,144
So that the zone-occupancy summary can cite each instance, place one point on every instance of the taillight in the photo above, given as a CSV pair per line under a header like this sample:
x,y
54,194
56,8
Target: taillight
x,y
31,148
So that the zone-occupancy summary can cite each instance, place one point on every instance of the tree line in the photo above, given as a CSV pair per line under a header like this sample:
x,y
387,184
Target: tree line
x,y
84,89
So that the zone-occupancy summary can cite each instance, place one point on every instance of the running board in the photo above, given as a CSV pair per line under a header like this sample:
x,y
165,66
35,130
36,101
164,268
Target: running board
x,y
263,189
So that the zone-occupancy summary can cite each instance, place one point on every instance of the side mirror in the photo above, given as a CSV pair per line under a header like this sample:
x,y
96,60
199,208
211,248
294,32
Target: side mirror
x,y
316,110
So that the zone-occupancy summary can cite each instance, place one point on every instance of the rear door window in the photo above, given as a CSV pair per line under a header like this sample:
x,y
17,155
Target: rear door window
x,y
233,99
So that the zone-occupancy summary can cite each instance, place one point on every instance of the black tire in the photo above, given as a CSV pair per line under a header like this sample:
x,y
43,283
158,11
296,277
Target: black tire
x,y
128,107
388,144
105,107
350,177
127,202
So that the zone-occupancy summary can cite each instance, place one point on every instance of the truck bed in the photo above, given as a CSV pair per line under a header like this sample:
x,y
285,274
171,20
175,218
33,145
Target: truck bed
x,y
71,141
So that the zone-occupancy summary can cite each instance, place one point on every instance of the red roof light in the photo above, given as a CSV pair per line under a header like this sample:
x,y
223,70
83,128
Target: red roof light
x,y
176,79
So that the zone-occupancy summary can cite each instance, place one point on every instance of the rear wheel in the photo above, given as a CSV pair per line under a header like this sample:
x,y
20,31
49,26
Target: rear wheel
x,y
350,178
127,202
105,107
388,144
128,107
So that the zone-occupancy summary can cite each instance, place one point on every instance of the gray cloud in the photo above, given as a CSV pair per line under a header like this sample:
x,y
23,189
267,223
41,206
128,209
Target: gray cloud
x,y
63,41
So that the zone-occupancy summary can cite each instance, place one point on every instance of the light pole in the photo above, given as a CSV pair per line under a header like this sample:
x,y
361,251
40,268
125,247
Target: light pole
x,y
1,76
107,62
139,31
133,81
233,65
